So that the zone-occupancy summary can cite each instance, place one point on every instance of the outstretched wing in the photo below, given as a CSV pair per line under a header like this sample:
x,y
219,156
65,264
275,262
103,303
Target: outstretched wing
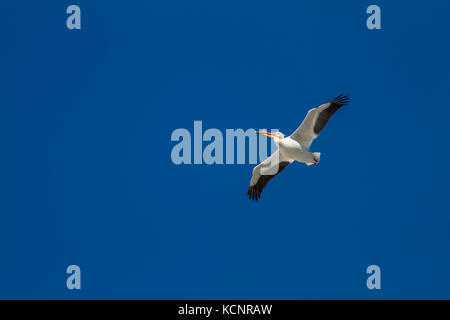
x,y
264,172
316,119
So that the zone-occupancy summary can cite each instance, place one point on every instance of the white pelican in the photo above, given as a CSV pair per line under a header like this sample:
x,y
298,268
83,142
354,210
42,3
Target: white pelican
x,y
294,147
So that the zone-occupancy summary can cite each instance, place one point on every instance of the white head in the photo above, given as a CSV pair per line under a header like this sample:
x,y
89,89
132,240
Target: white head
x,y
277,136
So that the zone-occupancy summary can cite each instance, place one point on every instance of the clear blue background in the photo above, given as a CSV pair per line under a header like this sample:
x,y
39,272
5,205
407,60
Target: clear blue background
x,y
86,176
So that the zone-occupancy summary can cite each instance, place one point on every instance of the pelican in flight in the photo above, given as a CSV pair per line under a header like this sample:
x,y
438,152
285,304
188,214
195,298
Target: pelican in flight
x,y
294,147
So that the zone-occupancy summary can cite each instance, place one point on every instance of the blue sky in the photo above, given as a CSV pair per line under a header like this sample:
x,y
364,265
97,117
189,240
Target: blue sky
x,y
86,175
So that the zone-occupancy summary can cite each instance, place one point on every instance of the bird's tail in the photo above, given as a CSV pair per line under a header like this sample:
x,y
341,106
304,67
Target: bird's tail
x,y
316,156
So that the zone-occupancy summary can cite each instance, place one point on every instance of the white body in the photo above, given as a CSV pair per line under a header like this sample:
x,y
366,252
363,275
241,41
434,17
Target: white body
x,y
294,150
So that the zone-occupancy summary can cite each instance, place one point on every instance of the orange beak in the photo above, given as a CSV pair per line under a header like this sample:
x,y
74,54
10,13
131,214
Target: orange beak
x,y
265,133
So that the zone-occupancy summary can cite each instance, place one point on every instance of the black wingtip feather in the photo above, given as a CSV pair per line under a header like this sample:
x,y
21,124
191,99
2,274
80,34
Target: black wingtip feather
x,y
341,99
254,193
